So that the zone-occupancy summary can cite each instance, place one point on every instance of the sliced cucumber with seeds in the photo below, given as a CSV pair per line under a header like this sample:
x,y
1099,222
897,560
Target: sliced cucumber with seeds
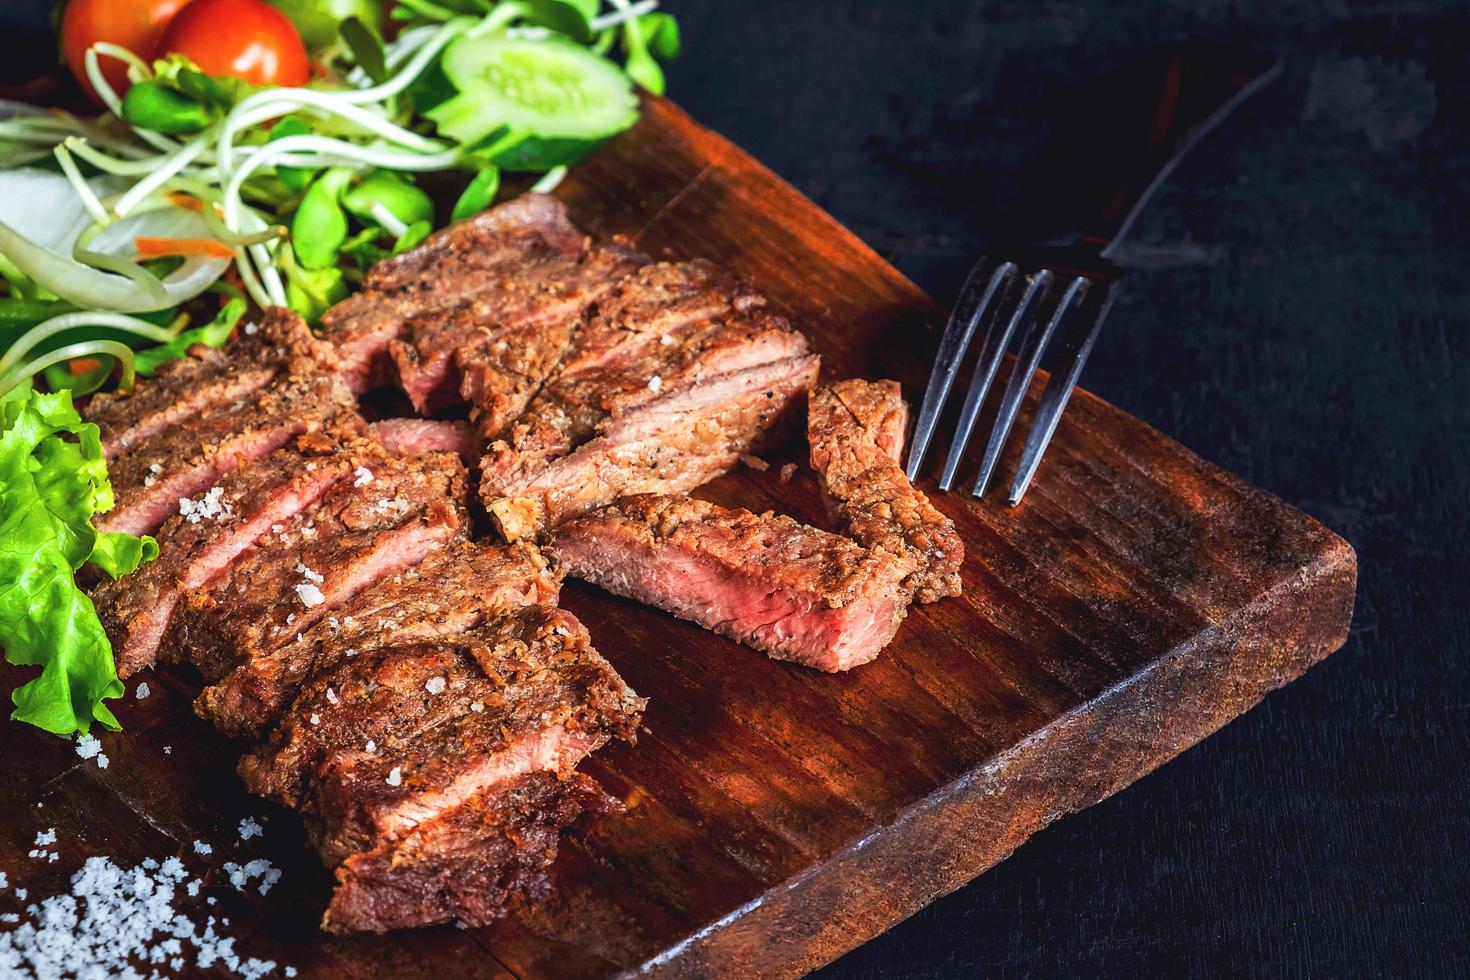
x,y
551,90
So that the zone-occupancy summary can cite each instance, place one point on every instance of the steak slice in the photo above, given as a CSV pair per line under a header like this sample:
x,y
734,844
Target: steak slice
x,y
539,298
206,379
206,534
412,437
445,272
672,443
854,452
464,865
182,457
392,514
662,329
397,736
795,592
446,594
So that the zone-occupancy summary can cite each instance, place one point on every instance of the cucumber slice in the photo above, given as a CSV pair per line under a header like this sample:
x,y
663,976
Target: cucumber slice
x,y
550,89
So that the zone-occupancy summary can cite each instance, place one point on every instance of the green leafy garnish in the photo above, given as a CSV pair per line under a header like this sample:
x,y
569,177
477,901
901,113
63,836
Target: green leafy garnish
x,y
53,480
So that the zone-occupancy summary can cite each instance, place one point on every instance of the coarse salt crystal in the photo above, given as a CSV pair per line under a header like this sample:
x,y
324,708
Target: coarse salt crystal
x,y
209,506
277,528
45,837
102,760
395,777
315,718
655,384
477,706
364,476
249,828
202,848
142,691
309,574
331,696
168,750
310,595
251,328
371,746
434,685
308,532
665,340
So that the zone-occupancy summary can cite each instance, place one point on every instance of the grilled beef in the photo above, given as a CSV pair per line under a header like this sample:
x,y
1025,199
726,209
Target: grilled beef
x,y
671,443
163,455
854,450
533,306
398,736
661,330
465,864
450,592
206,534
412,437
796,592
391,515
206,379
445,272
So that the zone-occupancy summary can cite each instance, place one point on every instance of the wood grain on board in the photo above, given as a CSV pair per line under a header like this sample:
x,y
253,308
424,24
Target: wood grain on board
x,y
1136,601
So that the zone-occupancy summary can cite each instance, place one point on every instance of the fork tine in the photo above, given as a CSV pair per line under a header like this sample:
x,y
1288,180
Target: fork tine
x,y
992,352
1033,341
969,310
1058,390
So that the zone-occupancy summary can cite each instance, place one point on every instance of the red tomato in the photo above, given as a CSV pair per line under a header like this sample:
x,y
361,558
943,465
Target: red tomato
x,y
133,24
248,39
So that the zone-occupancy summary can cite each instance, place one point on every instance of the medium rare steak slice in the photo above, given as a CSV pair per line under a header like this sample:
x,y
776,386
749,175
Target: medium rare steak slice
x,y
672,443
464,865
446,594
539,300
397,736
206,379
207,533
443,273
795,592
850,427
392,514
413,437
661,330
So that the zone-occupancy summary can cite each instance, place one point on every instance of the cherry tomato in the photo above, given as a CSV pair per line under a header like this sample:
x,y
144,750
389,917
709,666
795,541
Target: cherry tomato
x,y
134,24
248,39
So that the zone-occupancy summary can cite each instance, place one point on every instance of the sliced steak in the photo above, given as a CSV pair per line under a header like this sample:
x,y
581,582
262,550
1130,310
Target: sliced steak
x,y
443,273
413,437
675,442
448,593
464,865
538,300
206,534
205,380
661,330
850,427
392,514
180,457
397,736
795,592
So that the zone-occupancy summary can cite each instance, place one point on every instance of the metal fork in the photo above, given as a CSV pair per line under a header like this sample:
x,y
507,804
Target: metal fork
x,y
1038,295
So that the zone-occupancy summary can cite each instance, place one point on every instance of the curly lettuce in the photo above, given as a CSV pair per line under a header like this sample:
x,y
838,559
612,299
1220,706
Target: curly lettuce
x,y
53,480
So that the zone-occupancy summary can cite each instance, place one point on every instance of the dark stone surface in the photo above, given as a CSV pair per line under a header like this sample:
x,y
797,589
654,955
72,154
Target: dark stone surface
x,y
1298,314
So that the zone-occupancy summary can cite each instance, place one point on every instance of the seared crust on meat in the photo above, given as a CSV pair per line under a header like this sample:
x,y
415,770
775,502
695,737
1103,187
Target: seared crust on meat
x,y
448,593
850,426
796,592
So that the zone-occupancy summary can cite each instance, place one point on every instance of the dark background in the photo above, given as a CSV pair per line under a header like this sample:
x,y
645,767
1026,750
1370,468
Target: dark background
x,y
1298,314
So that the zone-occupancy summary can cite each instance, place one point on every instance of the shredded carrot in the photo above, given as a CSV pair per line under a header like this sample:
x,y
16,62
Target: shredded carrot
x,y
82,365
186,200
157,248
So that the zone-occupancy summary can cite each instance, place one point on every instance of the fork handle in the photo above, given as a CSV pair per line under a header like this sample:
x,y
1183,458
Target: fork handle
x,y
1194,84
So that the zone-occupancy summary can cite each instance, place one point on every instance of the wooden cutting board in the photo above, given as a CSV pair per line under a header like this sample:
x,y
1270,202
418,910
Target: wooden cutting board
x,y
1139,599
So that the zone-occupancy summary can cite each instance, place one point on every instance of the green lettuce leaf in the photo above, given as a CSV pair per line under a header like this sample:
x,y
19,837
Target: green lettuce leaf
x,y
53,480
